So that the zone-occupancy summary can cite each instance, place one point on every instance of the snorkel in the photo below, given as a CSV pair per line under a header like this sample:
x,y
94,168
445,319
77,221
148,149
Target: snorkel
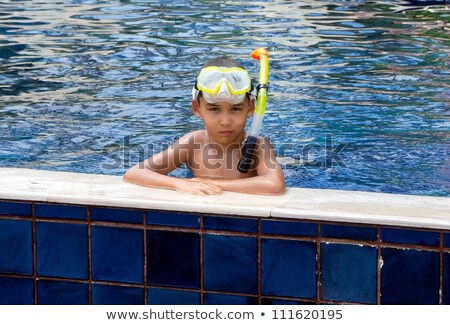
x,y
250,143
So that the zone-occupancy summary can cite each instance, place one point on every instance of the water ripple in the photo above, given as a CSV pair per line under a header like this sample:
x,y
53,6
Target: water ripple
x,y
82,82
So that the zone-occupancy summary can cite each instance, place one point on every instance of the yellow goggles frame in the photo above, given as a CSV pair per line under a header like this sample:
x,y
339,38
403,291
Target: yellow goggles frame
x,y
224,72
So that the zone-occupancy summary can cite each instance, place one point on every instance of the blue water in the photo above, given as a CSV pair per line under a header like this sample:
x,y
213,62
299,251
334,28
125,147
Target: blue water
x,y
359,90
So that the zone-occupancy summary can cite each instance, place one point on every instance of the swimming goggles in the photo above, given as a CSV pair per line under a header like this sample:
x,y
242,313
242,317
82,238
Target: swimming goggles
x,y
222,84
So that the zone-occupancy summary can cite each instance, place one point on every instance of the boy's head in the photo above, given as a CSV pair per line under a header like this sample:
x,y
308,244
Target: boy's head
x,y
222,79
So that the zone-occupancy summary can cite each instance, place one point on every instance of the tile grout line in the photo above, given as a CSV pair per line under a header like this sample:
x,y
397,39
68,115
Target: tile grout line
x,y
318,269
34,247
259,263
144,223
441,267
201,261
379,265
89,252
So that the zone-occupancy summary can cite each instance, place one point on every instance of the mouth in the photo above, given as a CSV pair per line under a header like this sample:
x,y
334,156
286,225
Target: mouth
x,y
225,133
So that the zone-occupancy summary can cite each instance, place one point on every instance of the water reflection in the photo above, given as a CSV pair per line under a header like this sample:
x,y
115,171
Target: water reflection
x,y
77,77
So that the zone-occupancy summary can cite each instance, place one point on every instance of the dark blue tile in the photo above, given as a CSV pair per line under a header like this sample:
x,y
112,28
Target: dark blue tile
x,y
289,228
409,277
288,268
60,211
15,291
156,296
172,219
16,254
414,237
173,258
229,263
446,239
230,224
348,273
271,301
348,232
117,254
116,215
62,293
116,295
218,299
15,209
446,279
62,250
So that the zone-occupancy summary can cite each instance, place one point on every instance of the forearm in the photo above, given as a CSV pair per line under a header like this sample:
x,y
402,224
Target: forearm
x,y
252,185
150,178
147,177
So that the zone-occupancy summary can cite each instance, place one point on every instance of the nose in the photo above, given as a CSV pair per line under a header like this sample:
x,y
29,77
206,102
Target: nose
x,y
225,119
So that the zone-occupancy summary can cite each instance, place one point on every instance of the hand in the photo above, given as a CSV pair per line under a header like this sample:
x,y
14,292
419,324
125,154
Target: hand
x,y
198,186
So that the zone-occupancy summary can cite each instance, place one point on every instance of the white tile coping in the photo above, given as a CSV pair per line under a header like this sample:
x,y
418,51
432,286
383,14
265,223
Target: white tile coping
x,y
297,203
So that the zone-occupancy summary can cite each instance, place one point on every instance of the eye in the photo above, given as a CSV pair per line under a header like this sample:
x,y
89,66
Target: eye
x,y
237,108
214,108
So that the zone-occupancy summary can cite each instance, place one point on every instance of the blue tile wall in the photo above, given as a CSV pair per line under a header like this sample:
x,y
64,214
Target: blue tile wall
x,y
289,228
117,254
61,250
172,219
409,277
446,279
116,295
62,293
173,259
288,268
230,224
15,209
16,247
60,211
220,299
116,215
348,232
414,237
157,296
188,265
348,273
446,239
230,263
16,291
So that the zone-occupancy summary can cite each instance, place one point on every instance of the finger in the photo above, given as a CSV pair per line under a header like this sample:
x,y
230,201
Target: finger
x,y
198,192
213,190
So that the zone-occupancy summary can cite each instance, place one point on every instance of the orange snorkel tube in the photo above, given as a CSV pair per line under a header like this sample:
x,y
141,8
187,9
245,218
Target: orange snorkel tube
x,y
250,143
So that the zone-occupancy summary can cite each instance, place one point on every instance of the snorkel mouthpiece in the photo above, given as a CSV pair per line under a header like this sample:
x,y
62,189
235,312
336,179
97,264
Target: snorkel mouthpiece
x,y
250,143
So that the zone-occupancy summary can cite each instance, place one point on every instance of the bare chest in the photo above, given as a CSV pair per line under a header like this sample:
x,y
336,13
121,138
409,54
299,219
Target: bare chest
x,y
213,162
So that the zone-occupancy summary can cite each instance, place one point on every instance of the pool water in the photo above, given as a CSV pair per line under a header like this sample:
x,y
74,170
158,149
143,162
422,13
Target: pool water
x,y
359,90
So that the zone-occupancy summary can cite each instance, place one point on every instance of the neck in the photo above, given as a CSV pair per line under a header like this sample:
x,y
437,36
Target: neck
x,y
227,147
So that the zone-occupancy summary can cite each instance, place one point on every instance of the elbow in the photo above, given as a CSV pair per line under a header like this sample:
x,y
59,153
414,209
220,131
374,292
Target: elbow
x,y
276,188
129,175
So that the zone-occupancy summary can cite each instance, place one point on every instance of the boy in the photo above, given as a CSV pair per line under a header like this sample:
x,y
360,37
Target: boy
x,y
222,99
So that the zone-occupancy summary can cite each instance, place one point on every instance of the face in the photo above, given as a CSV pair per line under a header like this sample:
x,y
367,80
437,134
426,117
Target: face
x,y
224,121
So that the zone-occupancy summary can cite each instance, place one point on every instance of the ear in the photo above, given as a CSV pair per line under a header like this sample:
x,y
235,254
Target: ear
x,y
196,108
251,107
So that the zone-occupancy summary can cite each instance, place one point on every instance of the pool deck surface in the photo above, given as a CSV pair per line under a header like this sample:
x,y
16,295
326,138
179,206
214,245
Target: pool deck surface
x,y
297,203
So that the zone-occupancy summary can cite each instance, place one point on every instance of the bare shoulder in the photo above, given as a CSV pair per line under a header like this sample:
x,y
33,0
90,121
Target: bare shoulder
x,y
192,137
264,144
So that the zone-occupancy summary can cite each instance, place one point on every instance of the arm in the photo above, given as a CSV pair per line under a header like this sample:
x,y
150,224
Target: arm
x,y
153,171
269,179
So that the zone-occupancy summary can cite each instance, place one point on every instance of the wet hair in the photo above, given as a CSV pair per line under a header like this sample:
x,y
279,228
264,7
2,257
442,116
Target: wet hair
x,y
224,62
